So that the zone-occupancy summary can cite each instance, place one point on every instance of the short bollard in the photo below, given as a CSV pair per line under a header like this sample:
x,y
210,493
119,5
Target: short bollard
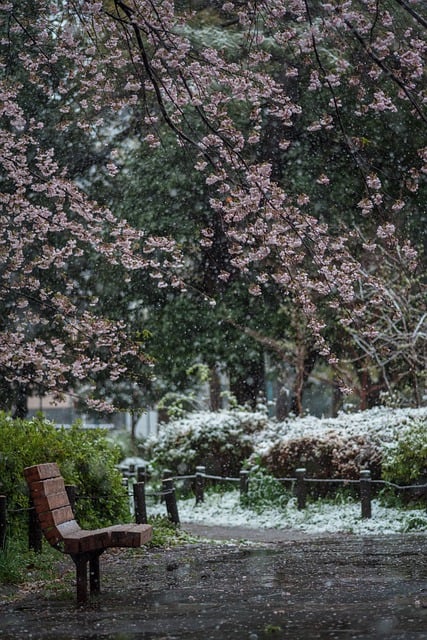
x,y
365,493
140,502
244,482
200,484
170,499
301,488
141,474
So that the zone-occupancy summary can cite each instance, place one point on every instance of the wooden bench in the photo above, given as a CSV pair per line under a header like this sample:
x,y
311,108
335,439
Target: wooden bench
x,y
52,505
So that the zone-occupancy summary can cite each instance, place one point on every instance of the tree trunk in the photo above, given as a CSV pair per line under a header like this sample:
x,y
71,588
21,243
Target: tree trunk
x,y
369,391
21,402
214,390
246,387
305,361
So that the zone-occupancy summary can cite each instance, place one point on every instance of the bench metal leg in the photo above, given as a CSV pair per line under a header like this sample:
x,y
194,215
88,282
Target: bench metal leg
x,y
81,577
94,575
81,561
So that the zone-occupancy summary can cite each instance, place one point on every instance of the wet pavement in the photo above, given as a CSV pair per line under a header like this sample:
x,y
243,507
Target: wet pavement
x,y
282,585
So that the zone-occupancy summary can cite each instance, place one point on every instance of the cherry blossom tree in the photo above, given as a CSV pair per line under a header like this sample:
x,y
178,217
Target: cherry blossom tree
x,y
103,63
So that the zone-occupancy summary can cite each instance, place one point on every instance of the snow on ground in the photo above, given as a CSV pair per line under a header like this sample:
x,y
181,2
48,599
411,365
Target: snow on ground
x,y
383,425
319,517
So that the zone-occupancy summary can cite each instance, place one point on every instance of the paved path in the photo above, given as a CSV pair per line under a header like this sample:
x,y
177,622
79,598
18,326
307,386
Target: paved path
x,y
252,535
286,586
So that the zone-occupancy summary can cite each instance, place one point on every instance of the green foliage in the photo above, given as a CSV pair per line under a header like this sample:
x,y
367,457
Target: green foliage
x,y
264,491
86,458
416,523
92,468
10,563
406,461
177,405
18,563
165,532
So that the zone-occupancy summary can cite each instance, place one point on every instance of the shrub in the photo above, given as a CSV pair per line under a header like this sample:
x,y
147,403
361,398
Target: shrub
x,y
219,441
264,491
85,457
405,460
332,456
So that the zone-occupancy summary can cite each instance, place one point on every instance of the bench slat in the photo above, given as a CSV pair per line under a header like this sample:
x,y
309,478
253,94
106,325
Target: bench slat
x,y
56,535
84,541
55,517
46,487
130,536
52,501
42,471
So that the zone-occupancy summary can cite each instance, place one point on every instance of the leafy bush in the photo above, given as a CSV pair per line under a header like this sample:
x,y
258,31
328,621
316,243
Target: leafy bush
x,y
85,457
18,563
405,461
219,441
264,491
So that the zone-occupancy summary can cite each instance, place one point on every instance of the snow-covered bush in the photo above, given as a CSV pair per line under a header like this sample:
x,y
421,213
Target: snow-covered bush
x,y
336,448
331,456
328,448
220,441
405,460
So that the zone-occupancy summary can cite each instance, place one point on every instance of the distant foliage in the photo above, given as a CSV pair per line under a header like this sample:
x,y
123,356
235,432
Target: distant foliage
x,y
85,457
220,441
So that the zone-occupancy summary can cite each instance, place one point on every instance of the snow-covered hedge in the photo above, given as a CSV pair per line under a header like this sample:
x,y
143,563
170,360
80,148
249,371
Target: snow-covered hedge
x,y
220,441
337,447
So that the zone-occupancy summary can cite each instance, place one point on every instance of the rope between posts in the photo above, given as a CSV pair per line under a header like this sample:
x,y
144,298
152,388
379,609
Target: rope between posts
x,y
344,481
209,477
333,480
20,510
313,480
155,494
400,486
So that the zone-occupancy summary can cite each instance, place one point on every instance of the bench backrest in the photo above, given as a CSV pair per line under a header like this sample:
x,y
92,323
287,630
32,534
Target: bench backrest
x,y
50,499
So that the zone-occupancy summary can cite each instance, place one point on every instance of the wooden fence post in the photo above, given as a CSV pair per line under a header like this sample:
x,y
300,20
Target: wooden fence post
x,y
244,482
301,488
365,493
170,499
2,522
35,534
141,474
167,473
200,484
140,502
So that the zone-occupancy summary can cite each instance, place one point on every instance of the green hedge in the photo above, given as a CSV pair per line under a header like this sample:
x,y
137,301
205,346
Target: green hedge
x,y
405,461
85,457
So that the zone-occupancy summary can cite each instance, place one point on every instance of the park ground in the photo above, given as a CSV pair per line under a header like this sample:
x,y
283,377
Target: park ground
x,y
227,583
